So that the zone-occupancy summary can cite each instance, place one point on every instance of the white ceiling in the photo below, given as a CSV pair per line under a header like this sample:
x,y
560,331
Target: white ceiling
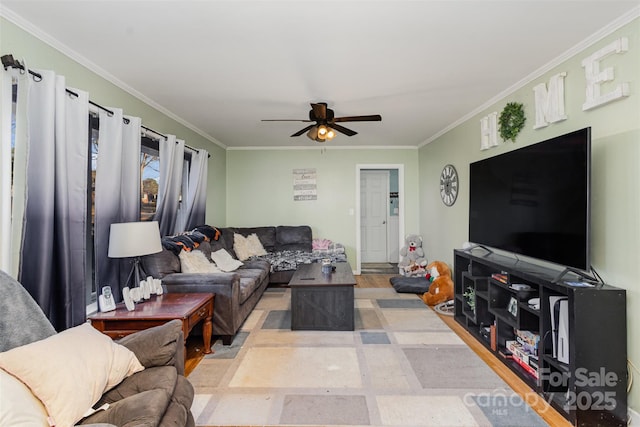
x,y
222,66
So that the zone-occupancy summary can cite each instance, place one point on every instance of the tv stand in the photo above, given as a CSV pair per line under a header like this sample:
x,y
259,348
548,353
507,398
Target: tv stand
x,y
476,245
588,386
580,273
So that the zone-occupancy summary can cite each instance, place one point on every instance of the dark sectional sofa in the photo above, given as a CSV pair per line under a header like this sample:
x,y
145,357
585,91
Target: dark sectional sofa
x,y
239,291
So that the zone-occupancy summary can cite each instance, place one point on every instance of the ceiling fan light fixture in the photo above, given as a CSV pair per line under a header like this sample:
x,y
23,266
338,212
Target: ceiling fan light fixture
x,y
322,131
330,134
313,133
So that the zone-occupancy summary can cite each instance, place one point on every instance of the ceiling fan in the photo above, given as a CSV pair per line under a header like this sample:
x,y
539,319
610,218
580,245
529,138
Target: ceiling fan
x,y
326,124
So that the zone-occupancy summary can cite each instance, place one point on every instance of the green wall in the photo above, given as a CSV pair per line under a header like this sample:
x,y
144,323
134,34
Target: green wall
x,y
615,193
260,189
37,54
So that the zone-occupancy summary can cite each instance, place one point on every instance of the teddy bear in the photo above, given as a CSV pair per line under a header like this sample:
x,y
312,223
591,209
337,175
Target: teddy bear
x,y
413,260
441,288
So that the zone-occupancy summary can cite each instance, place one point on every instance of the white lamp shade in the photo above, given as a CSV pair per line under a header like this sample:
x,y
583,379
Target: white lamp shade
x,y
132,239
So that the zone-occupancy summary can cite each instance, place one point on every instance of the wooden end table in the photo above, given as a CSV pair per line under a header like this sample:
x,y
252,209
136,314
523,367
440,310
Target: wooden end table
x,y
322,302
189,308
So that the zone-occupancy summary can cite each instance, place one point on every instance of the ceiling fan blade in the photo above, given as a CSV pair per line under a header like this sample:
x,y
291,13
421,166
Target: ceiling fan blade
x,y
301,131
319,110
286,120
343,129
371,118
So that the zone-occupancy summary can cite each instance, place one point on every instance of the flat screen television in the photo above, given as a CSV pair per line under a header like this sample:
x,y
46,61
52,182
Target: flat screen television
x,y
535,200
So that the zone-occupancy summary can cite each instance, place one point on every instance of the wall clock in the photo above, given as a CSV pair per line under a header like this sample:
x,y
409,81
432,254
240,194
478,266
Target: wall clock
x,y
449,185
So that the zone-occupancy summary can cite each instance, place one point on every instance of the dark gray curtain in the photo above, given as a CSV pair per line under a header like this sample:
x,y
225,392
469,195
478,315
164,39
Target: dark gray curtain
x,y
117,192
171,165
193,207
53,264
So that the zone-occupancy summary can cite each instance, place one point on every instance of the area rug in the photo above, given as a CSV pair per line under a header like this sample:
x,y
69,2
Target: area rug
x,y
402,366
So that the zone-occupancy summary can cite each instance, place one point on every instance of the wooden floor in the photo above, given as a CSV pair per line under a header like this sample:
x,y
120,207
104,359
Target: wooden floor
x,y
550,415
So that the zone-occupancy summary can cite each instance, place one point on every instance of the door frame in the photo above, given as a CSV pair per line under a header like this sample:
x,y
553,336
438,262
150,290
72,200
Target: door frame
x,y
359,168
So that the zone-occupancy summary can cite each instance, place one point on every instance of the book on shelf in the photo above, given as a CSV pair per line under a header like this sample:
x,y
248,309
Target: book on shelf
x,y
529,340
494,338
530,369
523,358
500,277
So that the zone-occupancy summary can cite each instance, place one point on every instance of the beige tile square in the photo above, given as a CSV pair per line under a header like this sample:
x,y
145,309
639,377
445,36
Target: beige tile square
x,y
363,303
413,320
384,369
420,338
209,373
200,401
424,410
274,337
252,320
298,367
242,409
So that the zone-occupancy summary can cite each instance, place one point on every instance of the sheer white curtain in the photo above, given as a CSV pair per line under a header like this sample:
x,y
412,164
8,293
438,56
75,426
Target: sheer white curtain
x,y
6,103
171,166
54,137
194,193
117,193
13,199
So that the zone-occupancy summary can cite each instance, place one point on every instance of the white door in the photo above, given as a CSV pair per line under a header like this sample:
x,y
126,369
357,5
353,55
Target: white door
x,y
374,206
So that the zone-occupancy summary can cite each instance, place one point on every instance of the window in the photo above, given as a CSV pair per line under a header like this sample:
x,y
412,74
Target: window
x,y
149,178
91,288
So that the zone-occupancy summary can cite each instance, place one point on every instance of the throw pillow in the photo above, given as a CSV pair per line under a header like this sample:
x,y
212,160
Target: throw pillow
x,y
246,247
19,406
255,245
68,372
225,261
196,262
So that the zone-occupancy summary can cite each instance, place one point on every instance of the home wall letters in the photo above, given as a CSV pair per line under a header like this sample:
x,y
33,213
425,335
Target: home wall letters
x,y
549,98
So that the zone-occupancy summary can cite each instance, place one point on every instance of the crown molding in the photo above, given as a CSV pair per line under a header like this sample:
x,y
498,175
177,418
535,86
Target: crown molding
x,y
323,147
75,56
584,44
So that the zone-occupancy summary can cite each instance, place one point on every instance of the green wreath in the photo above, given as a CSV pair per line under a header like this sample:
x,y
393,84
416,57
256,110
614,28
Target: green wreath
x,y
511,121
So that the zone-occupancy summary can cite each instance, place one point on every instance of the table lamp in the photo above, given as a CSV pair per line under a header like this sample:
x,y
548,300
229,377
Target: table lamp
x,y
133,240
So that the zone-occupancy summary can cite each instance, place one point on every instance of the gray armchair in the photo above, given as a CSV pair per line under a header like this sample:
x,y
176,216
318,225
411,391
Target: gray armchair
x,y
159,395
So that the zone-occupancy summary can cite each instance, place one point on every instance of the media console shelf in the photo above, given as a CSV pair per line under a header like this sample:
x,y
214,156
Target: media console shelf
x,y
570,348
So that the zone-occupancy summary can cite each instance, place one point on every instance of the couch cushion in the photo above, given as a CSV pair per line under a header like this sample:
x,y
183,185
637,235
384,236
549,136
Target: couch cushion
x,y
247,286
156,346
79,362
161,264
293,238
205,248
142,409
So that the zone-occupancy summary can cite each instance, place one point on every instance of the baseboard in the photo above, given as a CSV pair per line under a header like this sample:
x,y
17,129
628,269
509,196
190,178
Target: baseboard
x,y
634,418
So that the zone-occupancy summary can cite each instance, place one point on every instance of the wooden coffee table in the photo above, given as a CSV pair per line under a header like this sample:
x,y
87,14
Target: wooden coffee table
x,y
188,308
322,302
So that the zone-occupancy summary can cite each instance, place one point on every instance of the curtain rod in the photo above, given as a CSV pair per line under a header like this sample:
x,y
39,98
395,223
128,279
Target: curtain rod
x,y
9,62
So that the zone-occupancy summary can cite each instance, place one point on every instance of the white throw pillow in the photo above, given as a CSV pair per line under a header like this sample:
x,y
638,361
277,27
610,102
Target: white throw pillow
x,y
246,247
196,262
68,372
255,245
19,406
225,261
